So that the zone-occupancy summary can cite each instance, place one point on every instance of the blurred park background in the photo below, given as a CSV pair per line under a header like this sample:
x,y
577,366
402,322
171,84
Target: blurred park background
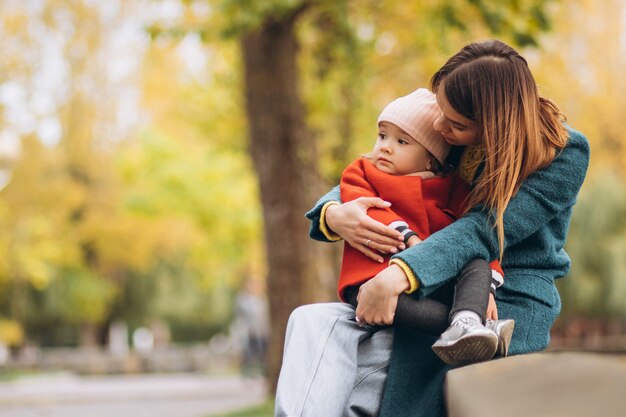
x,y
157,158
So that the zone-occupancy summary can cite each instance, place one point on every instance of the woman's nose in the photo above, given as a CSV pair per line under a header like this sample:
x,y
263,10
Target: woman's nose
x,y
440,124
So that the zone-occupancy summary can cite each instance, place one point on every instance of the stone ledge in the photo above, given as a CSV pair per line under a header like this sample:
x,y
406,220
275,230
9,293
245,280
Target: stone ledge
x,y
561,384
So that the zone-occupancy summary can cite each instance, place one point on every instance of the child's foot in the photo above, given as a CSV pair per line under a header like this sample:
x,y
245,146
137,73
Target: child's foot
x,y
504,330
466,341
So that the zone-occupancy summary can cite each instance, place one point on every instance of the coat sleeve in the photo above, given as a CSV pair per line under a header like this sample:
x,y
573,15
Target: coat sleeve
x,y
315,214
542,197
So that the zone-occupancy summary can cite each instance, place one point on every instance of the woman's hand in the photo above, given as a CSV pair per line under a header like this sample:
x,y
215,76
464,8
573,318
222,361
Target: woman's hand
x,y
351,222
492,309
378,297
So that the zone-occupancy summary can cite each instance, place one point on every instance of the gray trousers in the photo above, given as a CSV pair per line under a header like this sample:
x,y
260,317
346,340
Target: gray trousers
x,y
331,366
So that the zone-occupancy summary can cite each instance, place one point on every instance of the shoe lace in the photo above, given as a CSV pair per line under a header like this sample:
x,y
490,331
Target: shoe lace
x,y
465,323
492,324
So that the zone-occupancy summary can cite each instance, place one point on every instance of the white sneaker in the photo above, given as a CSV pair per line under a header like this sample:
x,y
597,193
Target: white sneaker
x,y
466,341
504,330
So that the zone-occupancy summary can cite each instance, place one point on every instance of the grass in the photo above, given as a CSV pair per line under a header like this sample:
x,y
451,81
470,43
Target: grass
x,y
13,375
263,410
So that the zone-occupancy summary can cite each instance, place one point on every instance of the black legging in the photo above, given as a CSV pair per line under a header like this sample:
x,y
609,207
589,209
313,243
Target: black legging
x,y
432,315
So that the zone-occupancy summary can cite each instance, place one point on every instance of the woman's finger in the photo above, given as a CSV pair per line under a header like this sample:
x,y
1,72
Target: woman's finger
x,y
387,234
383,237
373,202
369,251
373,249
373,225
383,248
350,221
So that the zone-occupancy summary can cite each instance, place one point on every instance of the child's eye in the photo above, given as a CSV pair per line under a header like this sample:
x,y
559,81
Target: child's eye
x,y
403,141
381,136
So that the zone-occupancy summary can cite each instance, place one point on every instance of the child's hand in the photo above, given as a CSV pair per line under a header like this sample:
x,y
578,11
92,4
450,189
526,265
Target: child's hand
x,y
492,309
413,240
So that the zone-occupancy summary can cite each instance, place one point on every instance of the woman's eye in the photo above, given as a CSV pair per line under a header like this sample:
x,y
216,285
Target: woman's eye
x,y
458,128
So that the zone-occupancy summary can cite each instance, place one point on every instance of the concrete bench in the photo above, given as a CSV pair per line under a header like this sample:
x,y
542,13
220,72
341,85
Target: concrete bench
x,y
539,384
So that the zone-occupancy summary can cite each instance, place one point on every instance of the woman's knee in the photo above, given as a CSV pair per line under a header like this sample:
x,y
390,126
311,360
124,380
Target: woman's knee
x,y
318,312
301,313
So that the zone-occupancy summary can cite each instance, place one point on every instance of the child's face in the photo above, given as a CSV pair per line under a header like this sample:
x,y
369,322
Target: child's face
x,y
397,153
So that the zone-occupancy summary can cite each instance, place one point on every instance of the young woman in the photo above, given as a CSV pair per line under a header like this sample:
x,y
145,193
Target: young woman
x,y
526,168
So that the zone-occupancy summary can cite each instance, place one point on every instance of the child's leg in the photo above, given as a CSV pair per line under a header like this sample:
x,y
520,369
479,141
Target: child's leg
x,y
467,340
433,315
425,315
429,315
471,293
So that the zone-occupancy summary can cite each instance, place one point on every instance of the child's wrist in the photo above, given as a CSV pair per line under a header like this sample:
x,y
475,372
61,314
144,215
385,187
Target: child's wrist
x,y
413,240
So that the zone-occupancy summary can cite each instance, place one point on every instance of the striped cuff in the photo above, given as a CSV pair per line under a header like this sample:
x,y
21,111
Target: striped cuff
x,y
402,227
413,282
496,280
329,234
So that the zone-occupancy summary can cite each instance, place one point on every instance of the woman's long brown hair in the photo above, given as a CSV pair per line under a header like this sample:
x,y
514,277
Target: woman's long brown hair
x,y
490,83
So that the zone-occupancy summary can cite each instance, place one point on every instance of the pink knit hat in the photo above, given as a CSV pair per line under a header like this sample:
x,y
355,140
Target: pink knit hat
x,y
415,114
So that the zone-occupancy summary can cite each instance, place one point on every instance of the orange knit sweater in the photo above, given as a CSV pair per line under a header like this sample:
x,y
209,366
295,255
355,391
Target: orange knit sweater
x,y
425,205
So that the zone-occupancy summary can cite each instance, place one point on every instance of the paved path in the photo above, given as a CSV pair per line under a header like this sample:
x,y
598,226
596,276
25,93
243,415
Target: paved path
x,y
163,395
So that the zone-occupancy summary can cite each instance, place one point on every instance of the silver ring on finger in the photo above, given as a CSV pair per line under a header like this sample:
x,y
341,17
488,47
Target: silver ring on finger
x,y
368,242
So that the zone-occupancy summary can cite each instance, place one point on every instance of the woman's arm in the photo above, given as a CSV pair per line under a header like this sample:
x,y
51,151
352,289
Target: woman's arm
x,y
543,196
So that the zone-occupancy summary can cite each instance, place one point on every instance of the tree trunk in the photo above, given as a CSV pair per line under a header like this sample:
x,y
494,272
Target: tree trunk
x,y
284,157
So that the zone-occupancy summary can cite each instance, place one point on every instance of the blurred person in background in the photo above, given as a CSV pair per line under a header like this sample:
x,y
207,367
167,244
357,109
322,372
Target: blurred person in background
x,y
251,326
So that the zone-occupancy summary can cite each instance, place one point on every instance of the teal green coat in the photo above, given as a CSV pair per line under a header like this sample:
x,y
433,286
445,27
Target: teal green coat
x,y
536,224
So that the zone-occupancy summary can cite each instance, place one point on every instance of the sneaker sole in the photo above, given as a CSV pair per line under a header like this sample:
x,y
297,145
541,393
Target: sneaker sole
x,y
505,339
468,350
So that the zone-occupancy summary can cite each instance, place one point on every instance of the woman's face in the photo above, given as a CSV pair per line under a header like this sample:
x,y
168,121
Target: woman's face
x,y
455,128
